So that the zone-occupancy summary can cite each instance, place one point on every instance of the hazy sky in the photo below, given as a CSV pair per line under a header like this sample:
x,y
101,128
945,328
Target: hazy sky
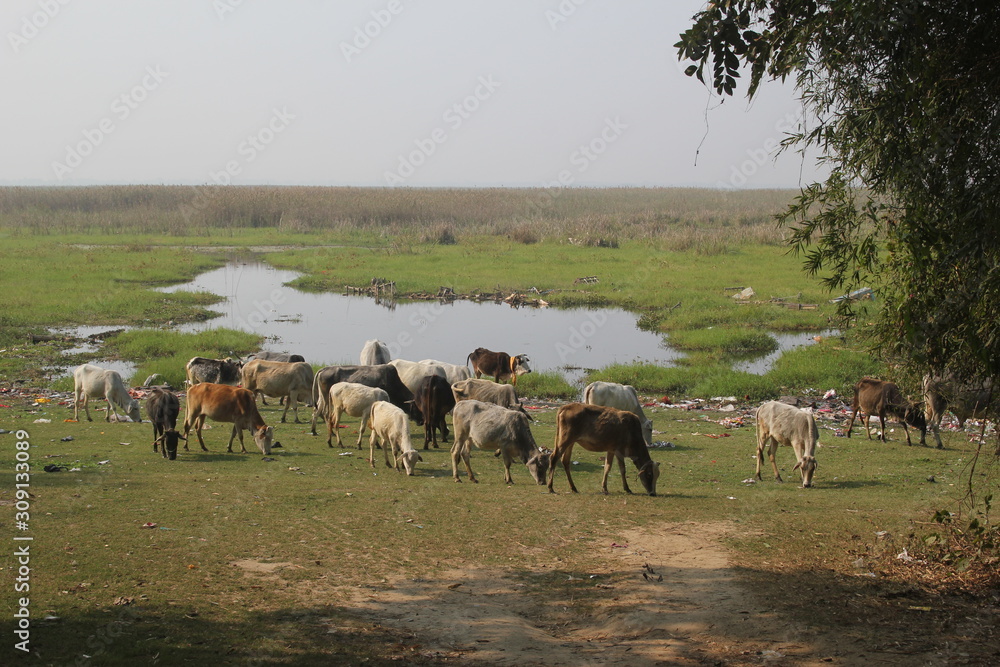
x,y
390,92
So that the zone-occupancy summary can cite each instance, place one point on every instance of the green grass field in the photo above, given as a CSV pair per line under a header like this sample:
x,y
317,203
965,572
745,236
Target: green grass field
x,y
332,523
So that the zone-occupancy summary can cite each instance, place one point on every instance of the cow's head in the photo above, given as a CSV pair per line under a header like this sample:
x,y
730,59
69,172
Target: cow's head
x,y
168,442
520,364
414,412
133,410
264,436
914,416
410,459
648,474
807,466
538,465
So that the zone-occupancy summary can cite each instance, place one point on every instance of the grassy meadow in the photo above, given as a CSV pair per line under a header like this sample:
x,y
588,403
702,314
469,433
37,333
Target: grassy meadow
x,y
231,559
254,561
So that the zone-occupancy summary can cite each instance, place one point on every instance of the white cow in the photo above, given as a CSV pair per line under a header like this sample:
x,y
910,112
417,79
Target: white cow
x,y
354,399
90,381
390,425
492,427
623,397
782,424
452,372
412,373
374,352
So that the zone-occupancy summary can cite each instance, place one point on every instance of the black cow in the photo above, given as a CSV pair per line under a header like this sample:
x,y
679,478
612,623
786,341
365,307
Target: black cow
x,y
163,407
266,355
216,371
382,376
434,399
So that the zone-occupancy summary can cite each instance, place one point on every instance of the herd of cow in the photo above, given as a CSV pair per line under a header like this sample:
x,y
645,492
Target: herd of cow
x,y
385,394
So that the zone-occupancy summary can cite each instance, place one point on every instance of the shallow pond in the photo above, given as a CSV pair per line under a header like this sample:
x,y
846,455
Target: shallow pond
x,y
332,328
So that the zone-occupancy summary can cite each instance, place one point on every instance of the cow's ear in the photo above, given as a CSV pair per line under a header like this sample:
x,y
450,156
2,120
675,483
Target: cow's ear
x,y
797,465
420,458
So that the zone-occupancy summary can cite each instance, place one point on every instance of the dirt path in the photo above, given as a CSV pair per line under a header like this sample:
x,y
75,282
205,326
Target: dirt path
x,y
697,614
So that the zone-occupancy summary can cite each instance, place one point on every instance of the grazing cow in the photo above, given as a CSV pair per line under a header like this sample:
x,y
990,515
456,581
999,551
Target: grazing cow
x,y
500,365
375,352
354,399
412,373
90,381
488,391
216,371
435,400
602,429
452,372
382,376
623,397
224,403
877,397
965,402
491,427
389,424
291,380
163,407
782,424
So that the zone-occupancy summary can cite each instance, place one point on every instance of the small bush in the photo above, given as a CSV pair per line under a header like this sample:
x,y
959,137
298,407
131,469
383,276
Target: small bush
x,y
525,234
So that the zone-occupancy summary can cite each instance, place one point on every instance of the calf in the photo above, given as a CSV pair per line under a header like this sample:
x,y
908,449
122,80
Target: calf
x,y
91,381
382,376
491,427
163,407
280,379
602,429
783,424
500,365
965,402
375,352
487,391
216,371
389,424
623,397
435,400
877,397
354,399
224,403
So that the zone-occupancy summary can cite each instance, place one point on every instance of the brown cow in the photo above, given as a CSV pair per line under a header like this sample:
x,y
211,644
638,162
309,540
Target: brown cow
x,y
500,365
878,397
965,402
226,404
602,429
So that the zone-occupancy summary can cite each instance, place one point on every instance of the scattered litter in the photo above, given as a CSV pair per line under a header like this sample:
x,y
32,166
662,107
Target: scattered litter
x,y
268,458
452,587
124,443
856,295
70,420
43,421
749,480
744,294
730,497
905,557
123,601
294,468
104,462
771,655
663,444
729,407
346,454
714,435
615,545
148,525
54,467
882,534
831,393
68,438
913,608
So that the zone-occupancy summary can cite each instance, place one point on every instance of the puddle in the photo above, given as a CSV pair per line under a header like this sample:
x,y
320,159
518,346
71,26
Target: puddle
x,y
332,328
786,342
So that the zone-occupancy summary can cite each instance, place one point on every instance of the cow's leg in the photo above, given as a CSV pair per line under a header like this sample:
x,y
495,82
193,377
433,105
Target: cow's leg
x,y
467,457
284,414
906,431
428,434
621,469
200,422
881,422
609,460
761,441
371,448
294,400
334,426
850,424
86,406
771,450
455,454
365,418
507,461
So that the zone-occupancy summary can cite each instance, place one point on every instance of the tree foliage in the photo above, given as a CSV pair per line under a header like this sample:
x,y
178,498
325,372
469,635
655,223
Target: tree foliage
x,y
906,100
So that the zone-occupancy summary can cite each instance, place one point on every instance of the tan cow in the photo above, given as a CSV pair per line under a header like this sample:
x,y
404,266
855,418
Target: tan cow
x,y
291,380
782,424
224,403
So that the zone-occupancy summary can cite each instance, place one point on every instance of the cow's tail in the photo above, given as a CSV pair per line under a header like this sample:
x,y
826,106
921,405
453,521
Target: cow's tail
x,y
468,360
587,393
